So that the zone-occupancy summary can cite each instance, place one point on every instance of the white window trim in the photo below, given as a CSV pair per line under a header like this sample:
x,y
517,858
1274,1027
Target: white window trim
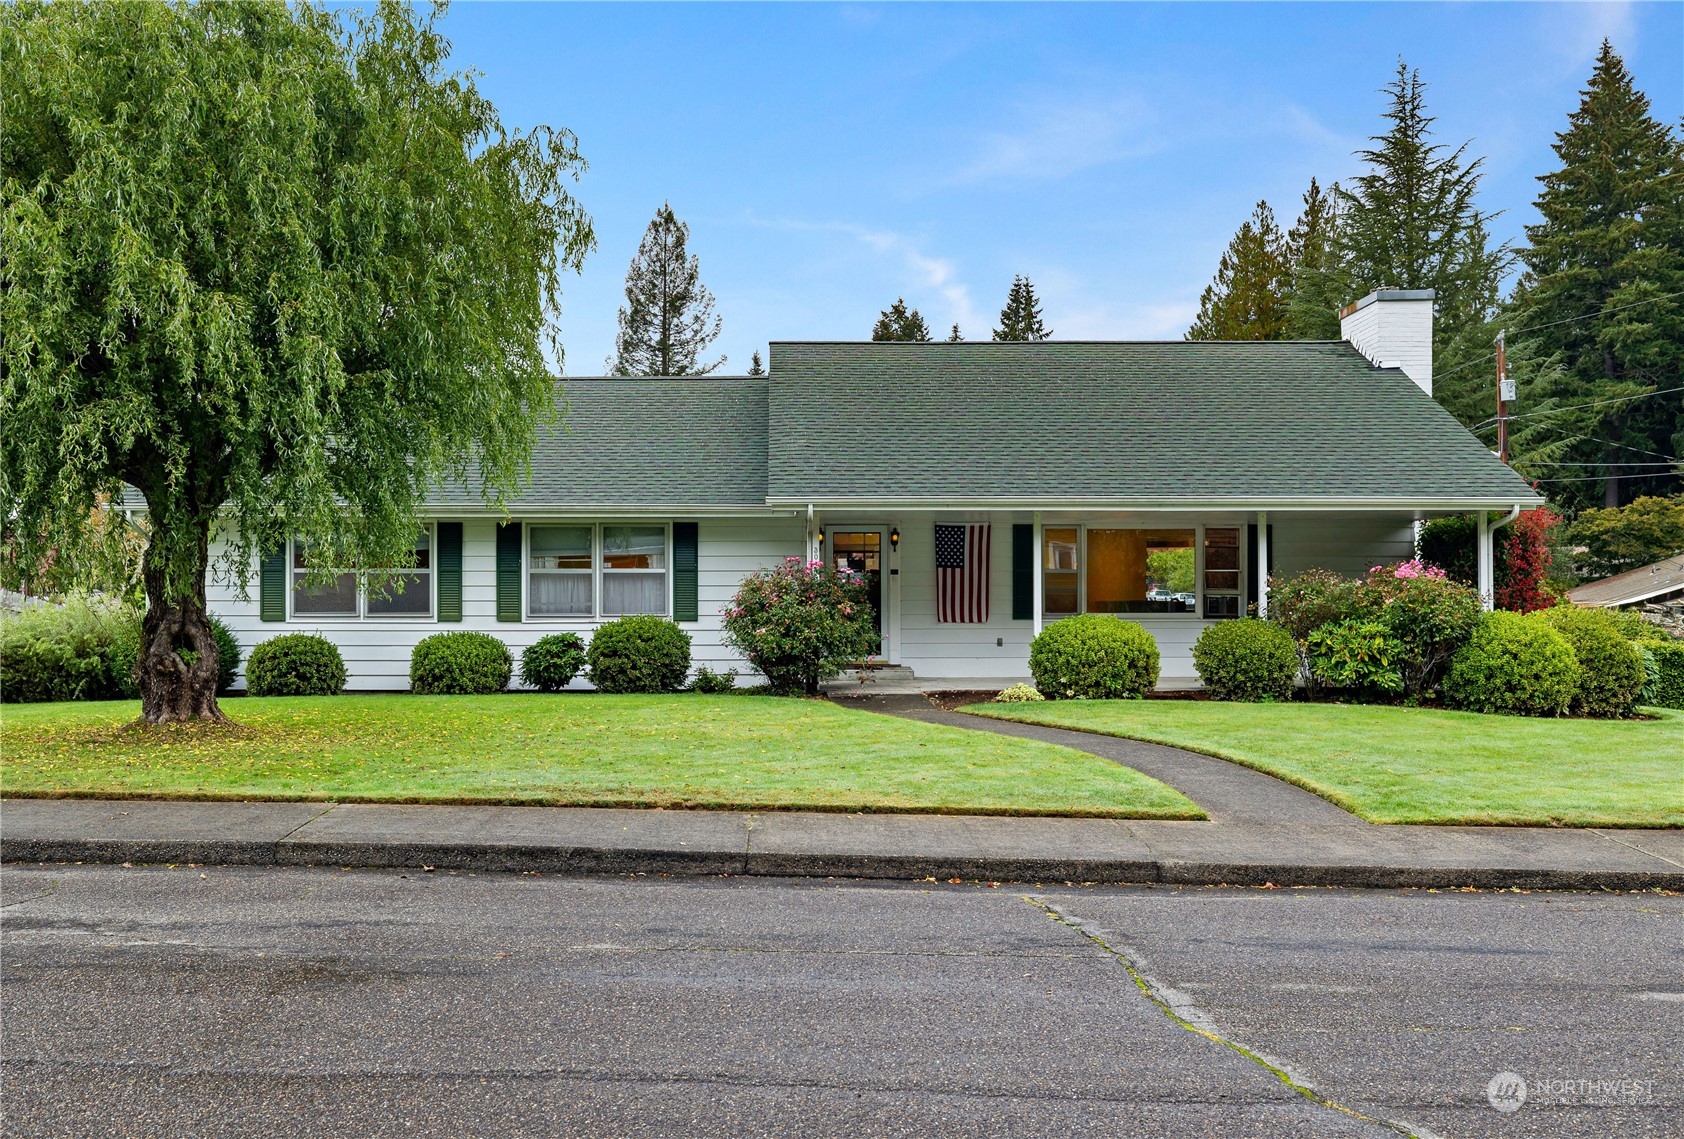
x,y
362,613
596,616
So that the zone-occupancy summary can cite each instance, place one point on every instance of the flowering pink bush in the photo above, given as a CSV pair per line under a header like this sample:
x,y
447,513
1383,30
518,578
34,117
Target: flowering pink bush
x,y
1413,568
800,622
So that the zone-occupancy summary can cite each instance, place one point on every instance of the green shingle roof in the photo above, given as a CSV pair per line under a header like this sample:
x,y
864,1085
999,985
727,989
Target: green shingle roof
x,y
1181,420
640,442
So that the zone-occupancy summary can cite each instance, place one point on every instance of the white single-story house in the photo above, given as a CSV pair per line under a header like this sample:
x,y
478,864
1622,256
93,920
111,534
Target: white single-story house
x,y
984,489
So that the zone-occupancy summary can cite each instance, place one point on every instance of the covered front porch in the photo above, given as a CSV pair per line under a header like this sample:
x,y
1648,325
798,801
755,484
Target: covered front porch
x,y
960,594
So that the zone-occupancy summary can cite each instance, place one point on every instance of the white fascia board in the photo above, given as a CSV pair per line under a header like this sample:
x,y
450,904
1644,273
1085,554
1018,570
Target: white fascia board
x,y
1158,503
531,510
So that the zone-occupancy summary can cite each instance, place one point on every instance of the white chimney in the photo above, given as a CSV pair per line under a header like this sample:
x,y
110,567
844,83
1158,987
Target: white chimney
x,y
1394,329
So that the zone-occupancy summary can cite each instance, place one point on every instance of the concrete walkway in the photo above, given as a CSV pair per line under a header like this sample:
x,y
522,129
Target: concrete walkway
x,y
1227,792
573,840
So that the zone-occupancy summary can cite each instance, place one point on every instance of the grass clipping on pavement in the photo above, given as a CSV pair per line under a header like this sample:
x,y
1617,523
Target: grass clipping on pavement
x,y
1418,765
574,749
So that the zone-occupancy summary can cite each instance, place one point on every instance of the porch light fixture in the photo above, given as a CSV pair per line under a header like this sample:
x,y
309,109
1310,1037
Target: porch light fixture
x,y
821,534
894,537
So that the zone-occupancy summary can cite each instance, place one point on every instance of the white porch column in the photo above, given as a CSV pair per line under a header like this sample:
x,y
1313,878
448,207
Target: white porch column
x,y
1036,578
1487,567
813,550
1263,563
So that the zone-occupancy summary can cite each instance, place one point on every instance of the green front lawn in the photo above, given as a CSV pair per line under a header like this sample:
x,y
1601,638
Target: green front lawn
x,y
744,752
1415,765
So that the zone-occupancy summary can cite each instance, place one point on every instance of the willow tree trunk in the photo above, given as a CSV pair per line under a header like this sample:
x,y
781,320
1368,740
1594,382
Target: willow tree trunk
x,y
172,690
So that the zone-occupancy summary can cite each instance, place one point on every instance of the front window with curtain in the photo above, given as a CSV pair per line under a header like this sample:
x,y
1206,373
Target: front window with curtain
x,y
560,569
634,570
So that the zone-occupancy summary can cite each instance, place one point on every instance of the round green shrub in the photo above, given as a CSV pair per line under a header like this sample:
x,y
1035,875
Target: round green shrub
x,y
550,663
460,664
1514,664
639,654
707,682
1094,657
1246,659
1019,694
1611,673
295,664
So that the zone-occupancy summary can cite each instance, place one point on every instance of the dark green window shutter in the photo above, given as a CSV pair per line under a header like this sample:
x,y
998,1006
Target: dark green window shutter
x,y
449,571
1023,572
508,571
272,586
685,571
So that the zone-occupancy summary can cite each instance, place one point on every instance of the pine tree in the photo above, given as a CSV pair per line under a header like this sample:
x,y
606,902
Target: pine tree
x,y
1312,296
668,320
1021,318
954,337
898,322
1411,222
1611,243
755,367
1247,299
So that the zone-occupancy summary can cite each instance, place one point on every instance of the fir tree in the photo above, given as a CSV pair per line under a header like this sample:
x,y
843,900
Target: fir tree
x,y
1021,318
755,367
668,320
1247,299
1411,222
1610,247
897,322
1312,297
954,337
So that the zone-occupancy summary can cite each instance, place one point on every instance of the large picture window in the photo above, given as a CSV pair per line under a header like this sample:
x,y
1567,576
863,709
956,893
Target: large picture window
x,y
586,570
1121,570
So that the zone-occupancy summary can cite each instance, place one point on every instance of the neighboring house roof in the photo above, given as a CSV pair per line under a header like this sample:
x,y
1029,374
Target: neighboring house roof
x,y
1641,584
693,442
1230,421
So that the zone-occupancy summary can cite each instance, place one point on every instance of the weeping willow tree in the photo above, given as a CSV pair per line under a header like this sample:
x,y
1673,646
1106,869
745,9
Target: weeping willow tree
x,y
278,270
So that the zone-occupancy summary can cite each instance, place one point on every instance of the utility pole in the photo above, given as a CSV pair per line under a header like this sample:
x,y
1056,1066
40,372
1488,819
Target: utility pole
x,y
1505,394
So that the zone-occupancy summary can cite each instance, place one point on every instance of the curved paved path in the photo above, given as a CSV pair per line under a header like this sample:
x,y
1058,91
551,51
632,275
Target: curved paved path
x,y
1228,792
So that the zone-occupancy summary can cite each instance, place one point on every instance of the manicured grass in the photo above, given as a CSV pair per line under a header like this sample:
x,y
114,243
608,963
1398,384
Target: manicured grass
x,y
748,752
1414,765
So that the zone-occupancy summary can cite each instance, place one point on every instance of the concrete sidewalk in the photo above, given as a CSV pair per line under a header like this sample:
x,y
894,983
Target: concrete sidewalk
x,y
574,840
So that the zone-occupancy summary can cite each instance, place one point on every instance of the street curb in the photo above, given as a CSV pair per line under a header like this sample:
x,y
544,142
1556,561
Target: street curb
x,y
583,860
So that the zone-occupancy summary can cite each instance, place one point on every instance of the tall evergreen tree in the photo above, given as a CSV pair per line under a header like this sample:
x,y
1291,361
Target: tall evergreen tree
x,y
1312,300
667,321
954,337
1610,247
1411,222
755,367
1247,299
1021,318
897,322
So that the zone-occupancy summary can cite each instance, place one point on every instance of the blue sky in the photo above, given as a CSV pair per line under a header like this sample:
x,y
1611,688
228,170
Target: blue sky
x,y
829,158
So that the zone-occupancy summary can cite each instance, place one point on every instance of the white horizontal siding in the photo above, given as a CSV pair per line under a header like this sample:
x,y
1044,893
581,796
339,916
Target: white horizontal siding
x,y
1347,544
377,650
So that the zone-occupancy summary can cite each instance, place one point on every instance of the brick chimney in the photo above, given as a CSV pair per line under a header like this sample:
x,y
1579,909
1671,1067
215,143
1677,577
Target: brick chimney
x,y
1394,329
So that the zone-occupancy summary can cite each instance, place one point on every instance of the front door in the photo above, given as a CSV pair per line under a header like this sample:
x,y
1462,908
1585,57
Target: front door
x,y
862,552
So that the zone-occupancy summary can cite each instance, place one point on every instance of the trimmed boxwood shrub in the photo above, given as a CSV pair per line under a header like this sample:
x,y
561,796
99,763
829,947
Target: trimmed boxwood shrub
x,y
639,654
1094,657
295,664
1246,659
1514,664
1669,663
550,663
460,664
1610,667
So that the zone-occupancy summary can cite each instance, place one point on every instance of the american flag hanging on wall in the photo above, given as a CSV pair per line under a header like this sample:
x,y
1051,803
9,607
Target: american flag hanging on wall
x,y
962,573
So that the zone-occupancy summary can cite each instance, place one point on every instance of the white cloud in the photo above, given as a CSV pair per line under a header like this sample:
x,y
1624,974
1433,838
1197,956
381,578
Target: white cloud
x,y
1054,138
1572,33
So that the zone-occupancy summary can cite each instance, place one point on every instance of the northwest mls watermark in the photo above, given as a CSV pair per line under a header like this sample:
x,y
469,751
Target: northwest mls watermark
x,y
1510,1091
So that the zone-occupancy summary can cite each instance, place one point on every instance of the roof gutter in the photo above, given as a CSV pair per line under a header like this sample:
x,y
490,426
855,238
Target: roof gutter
x,y
1159,503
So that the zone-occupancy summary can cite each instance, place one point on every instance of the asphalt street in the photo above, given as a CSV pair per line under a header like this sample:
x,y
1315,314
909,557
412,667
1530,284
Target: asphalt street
x,y
300,1002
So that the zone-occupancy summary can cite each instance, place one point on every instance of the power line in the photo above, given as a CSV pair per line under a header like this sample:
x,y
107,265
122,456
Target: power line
x,y
1487,426
1607,478
1582,406
1552,324
1591,463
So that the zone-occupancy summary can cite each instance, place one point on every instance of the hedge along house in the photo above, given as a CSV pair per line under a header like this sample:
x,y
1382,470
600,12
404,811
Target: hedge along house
x,y
984,489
